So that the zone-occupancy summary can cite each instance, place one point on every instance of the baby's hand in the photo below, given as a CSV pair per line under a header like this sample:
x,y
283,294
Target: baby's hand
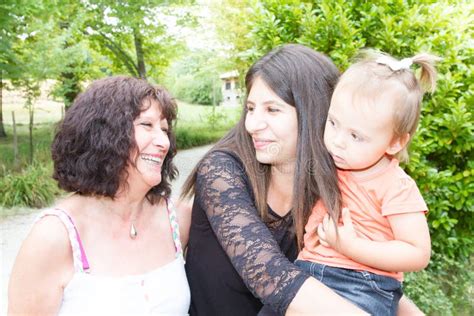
x,y
328,236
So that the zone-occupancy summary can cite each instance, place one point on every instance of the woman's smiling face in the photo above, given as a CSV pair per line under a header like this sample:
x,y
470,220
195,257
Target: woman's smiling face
x,y
273,125
152,143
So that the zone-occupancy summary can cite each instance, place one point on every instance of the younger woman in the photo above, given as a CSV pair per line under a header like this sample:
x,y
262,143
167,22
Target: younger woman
x,y
255,188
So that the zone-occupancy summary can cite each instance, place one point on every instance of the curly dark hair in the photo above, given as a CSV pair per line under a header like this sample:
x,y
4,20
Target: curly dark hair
x,y
93,144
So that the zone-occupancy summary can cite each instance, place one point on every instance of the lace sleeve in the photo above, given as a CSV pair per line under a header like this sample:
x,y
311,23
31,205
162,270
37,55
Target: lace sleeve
x,y
224,193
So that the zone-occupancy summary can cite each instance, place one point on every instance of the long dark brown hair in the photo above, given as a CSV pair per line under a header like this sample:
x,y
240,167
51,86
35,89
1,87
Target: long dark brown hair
x,y
304,79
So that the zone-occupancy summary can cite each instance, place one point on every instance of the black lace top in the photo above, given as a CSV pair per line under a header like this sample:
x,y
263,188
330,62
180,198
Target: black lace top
x,y
235,262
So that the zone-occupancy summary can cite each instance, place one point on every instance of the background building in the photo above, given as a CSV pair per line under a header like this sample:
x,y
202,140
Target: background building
x,y
231,92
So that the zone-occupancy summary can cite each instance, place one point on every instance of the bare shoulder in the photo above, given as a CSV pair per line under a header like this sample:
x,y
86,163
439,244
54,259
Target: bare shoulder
x,y
42,268
47,245
47,238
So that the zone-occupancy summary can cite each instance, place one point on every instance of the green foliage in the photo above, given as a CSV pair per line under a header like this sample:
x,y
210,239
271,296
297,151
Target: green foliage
x,y
133,35
43,136
32,187
18,24
201,125
232,19
433,288
189,137
197,88
195,78
73,41
442,157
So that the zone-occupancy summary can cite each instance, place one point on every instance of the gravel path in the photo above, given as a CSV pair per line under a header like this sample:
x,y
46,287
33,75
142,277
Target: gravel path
x,y
14,229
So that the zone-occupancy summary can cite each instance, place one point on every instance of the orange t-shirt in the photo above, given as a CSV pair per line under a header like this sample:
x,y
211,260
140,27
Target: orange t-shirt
x,y
370,200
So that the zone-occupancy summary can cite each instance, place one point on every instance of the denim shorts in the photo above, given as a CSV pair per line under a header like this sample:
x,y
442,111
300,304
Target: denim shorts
x,y
375,294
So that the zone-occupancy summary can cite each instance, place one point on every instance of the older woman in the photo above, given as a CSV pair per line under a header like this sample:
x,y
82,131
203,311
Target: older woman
x,y
113,245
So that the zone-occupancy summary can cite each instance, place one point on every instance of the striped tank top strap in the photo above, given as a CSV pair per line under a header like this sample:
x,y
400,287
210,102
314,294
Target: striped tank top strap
x,y
78,254
174,228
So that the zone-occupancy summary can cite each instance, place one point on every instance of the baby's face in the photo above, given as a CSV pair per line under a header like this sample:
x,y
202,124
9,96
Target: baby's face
x,y
358,132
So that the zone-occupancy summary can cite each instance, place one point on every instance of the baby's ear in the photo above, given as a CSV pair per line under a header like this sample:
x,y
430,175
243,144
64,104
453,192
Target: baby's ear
x,y
397,144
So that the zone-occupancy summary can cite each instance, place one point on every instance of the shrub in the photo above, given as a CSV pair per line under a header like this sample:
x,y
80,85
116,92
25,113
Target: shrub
x,y
442,149
197,136
214,126
433,288
32,187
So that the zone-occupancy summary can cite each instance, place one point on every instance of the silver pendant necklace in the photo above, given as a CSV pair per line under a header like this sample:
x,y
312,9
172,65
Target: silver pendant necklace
x,y
133,230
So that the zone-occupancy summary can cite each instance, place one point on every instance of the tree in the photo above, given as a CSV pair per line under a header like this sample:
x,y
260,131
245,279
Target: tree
x,y
194,77
30,44
71,75
2,129
131,34
33,53
233,26
13,19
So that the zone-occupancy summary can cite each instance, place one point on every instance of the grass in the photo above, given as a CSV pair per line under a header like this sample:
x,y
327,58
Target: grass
x,y
42,138
47,110
199,115
200,125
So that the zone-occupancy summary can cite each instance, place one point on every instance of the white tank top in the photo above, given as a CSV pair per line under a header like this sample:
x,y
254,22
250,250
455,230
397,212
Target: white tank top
x,y
163,291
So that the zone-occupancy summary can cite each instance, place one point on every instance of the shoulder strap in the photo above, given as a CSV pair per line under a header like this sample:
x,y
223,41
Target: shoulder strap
x,y
174,227
78,254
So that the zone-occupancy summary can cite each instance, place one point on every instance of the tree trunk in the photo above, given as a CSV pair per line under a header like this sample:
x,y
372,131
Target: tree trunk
x,y
139,50
31,112
15,141
2,128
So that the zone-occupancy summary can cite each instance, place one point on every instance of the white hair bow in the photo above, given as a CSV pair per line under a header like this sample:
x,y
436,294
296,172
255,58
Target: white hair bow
x,y
394,64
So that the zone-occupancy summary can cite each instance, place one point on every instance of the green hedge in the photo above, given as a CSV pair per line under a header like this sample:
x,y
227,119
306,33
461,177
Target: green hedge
x,y
197,136
441,153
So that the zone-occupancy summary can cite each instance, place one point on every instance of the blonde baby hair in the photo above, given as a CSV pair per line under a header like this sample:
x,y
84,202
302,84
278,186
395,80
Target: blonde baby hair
x,y
374,74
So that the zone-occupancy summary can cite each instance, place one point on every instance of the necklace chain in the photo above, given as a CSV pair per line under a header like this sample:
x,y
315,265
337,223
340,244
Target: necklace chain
x,y
132,233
